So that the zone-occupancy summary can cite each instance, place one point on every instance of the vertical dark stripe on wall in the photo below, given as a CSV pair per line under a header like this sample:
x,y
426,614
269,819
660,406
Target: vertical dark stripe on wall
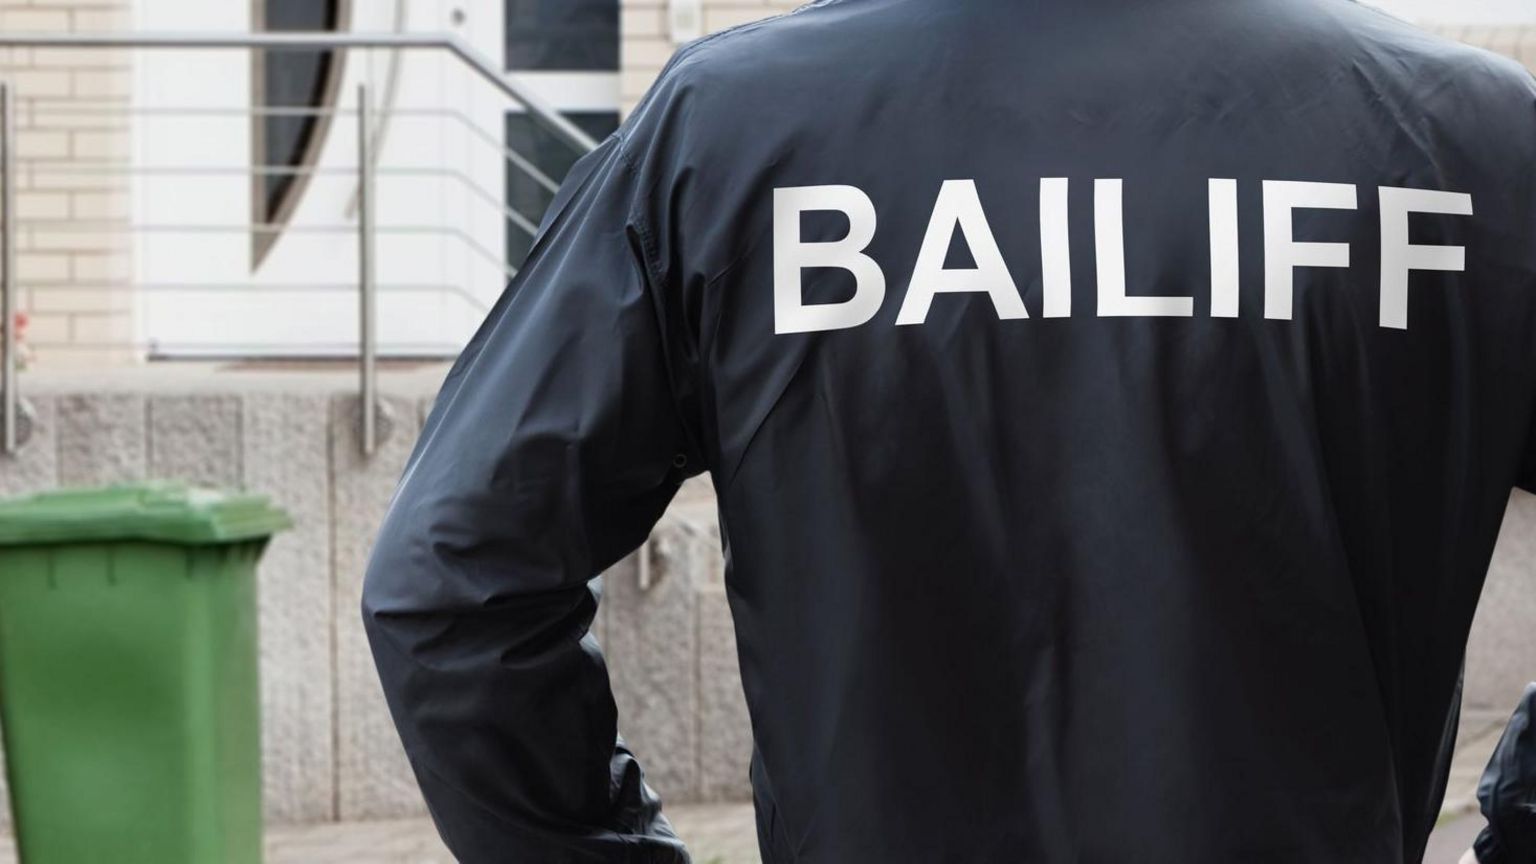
x,y
580,36
567,35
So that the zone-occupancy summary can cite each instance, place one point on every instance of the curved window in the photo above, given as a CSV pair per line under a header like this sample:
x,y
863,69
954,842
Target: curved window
x,y
294,92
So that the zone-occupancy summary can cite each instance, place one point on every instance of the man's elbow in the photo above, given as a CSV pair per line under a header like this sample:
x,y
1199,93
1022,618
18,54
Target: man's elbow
x,y
387,579
376,598
370,605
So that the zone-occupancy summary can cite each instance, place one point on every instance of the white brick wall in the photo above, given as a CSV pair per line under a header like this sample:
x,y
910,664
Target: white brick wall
x,y
647,42
1516,42
73,247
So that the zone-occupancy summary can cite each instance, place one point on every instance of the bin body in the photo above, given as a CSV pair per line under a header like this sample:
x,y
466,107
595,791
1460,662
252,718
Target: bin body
x,y
129,695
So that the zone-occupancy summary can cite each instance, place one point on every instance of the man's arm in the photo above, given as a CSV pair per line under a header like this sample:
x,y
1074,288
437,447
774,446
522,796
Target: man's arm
x,y
552,450
1508,792
1525,477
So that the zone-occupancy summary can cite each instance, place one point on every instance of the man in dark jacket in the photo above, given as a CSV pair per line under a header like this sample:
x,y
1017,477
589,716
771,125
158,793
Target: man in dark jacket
x,y
1112,406
1507,793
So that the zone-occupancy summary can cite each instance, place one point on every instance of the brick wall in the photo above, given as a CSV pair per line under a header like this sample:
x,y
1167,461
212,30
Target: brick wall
x,y
1516,42
73,262
647,38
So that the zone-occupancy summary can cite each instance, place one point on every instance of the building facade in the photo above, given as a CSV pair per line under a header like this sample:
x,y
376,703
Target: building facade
x,y
73,258
203,205
186,205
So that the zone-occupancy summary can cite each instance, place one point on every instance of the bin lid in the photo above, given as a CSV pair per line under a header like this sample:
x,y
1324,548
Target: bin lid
x,y
164,512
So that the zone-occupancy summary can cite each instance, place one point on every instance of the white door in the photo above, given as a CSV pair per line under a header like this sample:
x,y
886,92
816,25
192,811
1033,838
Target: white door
x,y
246,241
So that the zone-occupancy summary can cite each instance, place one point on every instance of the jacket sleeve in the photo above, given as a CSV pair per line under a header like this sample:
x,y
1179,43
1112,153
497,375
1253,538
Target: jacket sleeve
x,y
550,453
1508,792
1527,478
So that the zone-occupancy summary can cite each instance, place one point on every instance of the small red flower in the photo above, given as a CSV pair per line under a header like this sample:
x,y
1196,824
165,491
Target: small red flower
x,y
21,322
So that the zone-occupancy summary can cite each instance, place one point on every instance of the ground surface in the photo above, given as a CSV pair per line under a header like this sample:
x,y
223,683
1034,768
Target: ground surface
x,y
715,833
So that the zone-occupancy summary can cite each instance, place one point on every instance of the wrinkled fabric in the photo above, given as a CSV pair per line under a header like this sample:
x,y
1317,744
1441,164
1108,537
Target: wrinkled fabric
x,y
1507,792
1065,519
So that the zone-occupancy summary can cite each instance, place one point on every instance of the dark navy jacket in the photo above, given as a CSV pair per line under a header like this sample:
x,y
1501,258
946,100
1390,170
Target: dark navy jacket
x,y
1508,792
1112,406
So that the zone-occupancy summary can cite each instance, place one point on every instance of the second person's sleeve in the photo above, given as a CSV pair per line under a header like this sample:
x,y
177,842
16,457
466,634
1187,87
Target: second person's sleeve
x,y
1508,792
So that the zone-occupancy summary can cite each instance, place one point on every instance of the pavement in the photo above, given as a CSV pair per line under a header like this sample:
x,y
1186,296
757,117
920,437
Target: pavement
x,y
725,833
715,834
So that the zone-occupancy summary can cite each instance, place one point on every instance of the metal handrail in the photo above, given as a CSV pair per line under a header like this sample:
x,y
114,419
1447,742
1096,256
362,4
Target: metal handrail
x,y
226,286
511,88
65,226
85,226
368,314
232,350
507,154
475,248
10,345
563,129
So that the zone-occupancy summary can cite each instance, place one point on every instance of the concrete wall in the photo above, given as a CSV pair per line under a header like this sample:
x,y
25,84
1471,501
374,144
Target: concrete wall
x,y
330,750
1501,655
73,260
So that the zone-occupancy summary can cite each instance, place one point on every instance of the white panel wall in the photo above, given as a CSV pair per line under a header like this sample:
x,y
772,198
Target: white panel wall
x,y
440,194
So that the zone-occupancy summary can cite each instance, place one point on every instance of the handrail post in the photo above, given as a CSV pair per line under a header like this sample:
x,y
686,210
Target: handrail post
x,y
366,289
10,346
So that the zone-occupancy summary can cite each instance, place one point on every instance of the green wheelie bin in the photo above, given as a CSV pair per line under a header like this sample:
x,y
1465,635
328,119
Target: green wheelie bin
x,y
128,685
